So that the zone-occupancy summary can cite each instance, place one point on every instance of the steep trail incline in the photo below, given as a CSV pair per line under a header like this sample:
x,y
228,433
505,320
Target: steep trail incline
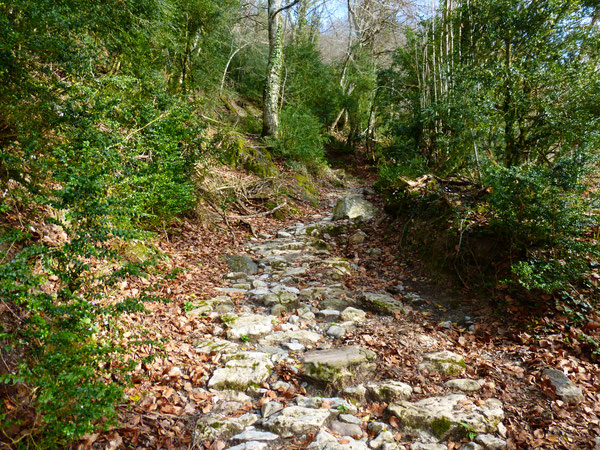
x,y
295,346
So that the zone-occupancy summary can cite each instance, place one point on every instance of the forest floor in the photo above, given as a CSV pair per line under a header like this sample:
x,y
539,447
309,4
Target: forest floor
x,y
258,357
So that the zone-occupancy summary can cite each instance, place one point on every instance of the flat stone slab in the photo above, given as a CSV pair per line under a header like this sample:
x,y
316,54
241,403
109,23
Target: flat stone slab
x,y
464,384
217,345
252,327
381,303
214,426
565,388
252,434
252,445
322,292
443,362
336,403
242,371
340,366
304,337
389,391
450,417
326,441
297,420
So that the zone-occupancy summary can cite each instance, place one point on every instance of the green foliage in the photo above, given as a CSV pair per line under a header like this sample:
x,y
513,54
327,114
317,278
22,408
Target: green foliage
x,y
507,105
97,141
542,211
300,139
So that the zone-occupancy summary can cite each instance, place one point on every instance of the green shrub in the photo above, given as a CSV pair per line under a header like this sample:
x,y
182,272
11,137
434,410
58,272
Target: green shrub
x,y
544,212
300,138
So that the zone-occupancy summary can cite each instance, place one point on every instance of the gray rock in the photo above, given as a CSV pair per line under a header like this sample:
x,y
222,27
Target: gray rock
x,y
325,441
252,445
339,367
381,303
464,384
345,429
443,362
353,314
424,446
353,207
270,408
338,267
449,416
491,442
296,420
389,391
293,346
385,437
391,446
355,393
349,418
358,238
377,427
304,337
242,371
565,388
330,315
216,427
337,303
259,284
250,327
252,434
283,234
335,403
281,385
335,331
217,345
236,276
243,286
323,292
242,263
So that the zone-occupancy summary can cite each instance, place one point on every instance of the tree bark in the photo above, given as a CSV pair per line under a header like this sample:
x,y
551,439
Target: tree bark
x,y
274,68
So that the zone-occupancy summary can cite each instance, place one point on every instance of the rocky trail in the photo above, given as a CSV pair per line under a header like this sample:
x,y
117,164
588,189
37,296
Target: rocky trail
x,y
291,351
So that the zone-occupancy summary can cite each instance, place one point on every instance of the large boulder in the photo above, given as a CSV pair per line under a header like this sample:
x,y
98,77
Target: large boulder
x,y
353,207
450,417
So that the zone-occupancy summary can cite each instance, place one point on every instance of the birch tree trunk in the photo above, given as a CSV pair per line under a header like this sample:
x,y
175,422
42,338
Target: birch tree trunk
x,y
274,67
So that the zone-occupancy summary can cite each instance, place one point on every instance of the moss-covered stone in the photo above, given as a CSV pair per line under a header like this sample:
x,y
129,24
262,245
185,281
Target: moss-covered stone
x,y
255,160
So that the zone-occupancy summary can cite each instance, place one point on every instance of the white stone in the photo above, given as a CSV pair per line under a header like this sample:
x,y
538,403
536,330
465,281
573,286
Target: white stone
x,y
491,442
304,337
353,314
325,441
451,416
464,384
252,434
384,437
253,326
389,391
443,362
242,371
296,420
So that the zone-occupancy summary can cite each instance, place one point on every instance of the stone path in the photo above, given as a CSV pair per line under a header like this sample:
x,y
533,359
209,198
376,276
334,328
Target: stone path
x,y
282,332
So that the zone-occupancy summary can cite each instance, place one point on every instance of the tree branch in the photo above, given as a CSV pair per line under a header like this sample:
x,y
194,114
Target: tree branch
x,y
283,8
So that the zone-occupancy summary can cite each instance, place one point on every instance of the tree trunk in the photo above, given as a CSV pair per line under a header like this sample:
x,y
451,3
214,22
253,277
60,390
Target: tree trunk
x,y
274,67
